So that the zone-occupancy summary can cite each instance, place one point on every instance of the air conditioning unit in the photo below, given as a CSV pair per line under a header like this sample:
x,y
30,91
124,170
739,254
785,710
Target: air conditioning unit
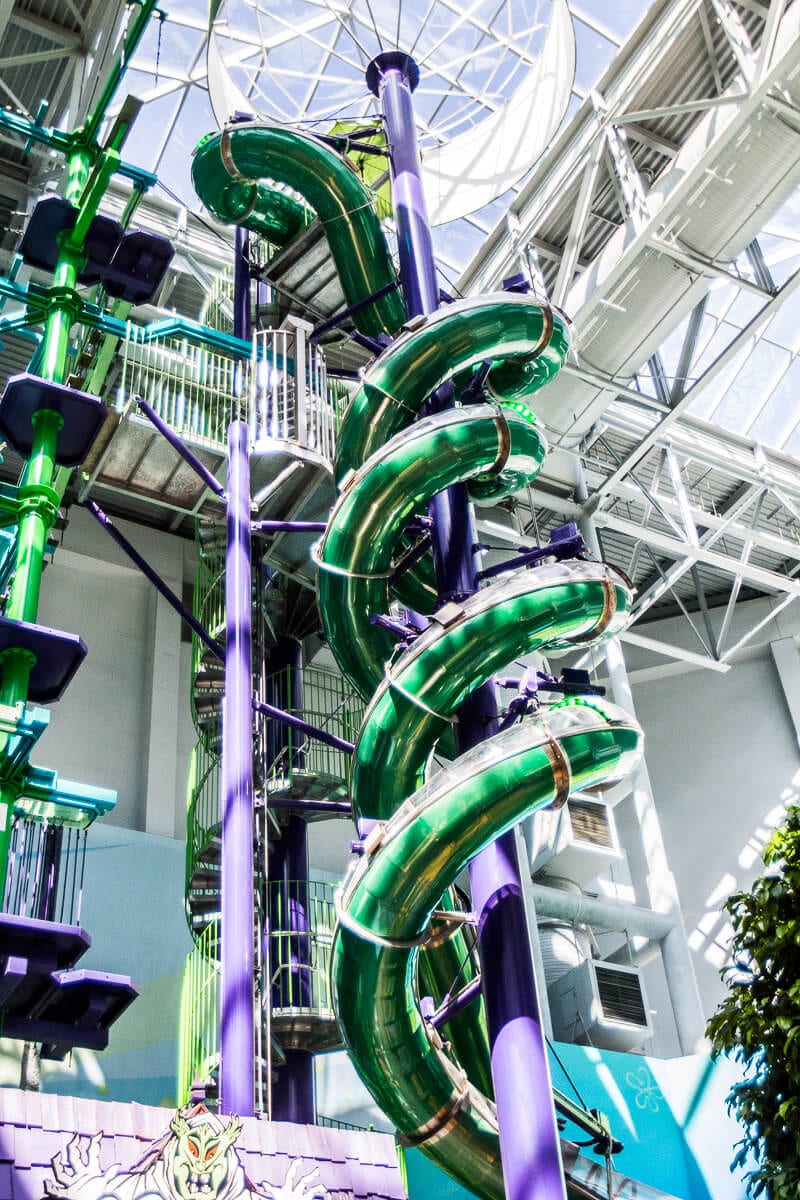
x,y
577,841
600,1004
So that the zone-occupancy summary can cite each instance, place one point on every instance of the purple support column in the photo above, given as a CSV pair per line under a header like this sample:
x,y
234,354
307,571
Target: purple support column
x,y
392,76
237,1042
237,1034
293,1092
528,1131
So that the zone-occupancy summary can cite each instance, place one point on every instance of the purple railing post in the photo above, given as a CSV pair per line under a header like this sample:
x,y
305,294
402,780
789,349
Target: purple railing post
x,y
528,1131
237,1042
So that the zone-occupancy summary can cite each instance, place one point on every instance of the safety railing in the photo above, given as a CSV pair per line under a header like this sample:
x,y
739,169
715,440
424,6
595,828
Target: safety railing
x,y
203,807
208,607
198,1040
284,757
289,399
301,921
196,385
293,961
329,703
46,865
193,387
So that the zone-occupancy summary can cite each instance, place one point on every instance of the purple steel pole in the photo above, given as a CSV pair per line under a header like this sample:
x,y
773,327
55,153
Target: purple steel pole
x,y
290,961
237,1042
321,735
177,444
528,1131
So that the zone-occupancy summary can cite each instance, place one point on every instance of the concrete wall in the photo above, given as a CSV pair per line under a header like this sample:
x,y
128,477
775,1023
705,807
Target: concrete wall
x,y
722,752
723,760
124,721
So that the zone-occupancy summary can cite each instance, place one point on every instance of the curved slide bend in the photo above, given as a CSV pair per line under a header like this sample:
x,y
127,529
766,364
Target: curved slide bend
x,y
390,465
235,174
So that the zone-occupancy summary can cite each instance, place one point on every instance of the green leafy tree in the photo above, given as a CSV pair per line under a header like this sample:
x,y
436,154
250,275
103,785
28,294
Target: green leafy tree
x,y
758,1023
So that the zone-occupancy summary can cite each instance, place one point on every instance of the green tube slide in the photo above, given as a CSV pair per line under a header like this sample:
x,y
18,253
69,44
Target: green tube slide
x,y
389,465
527,343
378,501
237,174
385,908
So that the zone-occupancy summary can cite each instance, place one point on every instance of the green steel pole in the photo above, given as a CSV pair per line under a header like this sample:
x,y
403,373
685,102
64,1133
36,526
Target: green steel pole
x,y
38,498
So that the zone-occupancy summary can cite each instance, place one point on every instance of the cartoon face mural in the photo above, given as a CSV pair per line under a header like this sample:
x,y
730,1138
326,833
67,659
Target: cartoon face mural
x,y
194,1160
201,1163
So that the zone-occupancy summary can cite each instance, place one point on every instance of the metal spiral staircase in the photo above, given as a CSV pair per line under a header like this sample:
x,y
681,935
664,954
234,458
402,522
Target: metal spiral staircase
x,y
292,416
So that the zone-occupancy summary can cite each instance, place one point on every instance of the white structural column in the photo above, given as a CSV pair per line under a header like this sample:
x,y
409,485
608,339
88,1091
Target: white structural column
x,y
648,862
523,862
659,881
786,657
165,705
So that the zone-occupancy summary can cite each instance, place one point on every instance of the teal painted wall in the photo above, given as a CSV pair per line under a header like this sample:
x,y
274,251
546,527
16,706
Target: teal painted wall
x,y
133,911
669,1113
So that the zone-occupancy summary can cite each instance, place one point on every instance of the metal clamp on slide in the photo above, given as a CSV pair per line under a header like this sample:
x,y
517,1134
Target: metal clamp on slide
x,y
441,1122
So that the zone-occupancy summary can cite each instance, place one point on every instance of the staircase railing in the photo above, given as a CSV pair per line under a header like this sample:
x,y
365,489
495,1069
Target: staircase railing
x,y
195,384
293,969
47,861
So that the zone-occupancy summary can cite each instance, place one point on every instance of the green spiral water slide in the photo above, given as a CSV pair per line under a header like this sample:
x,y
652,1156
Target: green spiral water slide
x,y
389,465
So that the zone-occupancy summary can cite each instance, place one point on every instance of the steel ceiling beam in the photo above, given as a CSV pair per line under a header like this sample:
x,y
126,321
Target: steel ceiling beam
x,y
577,226
669,650
769,581
716,448
54,33
737,343
738,39
701,265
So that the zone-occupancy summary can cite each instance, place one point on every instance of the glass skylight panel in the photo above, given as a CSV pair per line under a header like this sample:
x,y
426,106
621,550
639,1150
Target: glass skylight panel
x,y
752,383
705,404
594,53
782,255
174,167
792,443
616,20
781,413
144,142
471,60
670,352
784,327
171,46
745,306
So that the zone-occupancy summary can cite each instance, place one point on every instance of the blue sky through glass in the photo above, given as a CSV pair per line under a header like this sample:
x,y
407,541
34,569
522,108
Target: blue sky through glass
x,y
177,110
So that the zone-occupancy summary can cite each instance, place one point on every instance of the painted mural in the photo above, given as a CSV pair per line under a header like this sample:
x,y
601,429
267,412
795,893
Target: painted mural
x,y
195,1159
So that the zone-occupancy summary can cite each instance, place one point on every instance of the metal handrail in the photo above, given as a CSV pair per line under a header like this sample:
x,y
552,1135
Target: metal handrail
x,y
293,973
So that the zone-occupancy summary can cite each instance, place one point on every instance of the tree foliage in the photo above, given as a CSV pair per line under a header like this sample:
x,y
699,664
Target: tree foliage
x,y
758,1023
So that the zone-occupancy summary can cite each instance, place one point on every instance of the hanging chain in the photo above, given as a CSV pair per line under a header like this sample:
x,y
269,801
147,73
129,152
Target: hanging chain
x,y
161,18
